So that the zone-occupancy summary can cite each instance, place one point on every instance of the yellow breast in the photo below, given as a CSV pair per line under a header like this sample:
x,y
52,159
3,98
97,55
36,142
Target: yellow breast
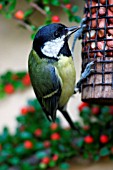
x,y
67,73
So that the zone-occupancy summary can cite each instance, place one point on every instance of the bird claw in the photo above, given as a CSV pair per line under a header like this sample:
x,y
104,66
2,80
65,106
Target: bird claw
x,y
88,70
83,21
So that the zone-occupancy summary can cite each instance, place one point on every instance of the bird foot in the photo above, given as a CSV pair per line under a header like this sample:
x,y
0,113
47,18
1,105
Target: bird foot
x,y
88,70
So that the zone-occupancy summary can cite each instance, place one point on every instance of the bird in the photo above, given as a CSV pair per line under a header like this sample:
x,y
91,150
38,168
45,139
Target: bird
x,y
51,69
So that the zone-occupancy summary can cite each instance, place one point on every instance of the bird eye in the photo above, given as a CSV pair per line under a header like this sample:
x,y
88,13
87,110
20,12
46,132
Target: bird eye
x,y
57,34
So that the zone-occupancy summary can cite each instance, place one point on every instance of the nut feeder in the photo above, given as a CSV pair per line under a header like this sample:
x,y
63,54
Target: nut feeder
x,y
97,45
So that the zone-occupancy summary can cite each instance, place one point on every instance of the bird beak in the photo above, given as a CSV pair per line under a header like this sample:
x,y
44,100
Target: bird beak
x,y
71,30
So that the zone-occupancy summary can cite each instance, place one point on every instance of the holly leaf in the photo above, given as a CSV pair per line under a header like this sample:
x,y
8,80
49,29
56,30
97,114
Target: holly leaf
x,y
104,151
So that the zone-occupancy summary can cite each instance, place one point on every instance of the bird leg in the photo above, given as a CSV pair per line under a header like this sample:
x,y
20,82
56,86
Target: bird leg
x,y
69,120
84,75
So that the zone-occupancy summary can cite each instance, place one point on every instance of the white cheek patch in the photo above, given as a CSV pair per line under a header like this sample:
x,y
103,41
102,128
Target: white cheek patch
x,y
52,48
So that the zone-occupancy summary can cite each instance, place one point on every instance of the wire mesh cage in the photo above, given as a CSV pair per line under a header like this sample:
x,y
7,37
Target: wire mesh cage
x,y
97,45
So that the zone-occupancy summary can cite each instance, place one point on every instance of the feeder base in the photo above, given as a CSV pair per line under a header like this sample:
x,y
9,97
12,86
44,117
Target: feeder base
x,y
101,101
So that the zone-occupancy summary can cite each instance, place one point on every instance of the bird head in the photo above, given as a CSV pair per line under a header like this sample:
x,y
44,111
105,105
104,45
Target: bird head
x,y
50,39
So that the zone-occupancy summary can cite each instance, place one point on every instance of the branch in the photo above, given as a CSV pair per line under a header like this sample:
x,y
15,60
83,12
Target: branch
x,y
38,8
27,26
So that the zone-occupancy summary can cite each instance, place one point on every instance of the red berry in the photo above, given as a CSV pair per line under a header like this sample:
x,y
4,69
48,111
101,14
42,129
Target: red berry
x,y
31,109
55,157
9,89
28,144
82,105
24,111
68,6
45,160
1,6
26,80
88,139
47,144
55,18
19,15
95,110
104,138
111,110
55,136
54,126
86,127
38,132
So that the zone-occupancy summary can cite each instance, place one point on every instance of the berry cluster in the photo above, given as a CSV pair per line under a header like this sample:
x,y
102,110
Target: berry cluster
x,y
44,145
44,7
11,82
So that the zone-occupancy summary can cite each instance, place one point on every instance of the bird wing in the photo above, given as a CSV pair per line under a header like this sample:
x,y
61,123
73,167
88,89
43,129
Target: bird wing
x,y
46,83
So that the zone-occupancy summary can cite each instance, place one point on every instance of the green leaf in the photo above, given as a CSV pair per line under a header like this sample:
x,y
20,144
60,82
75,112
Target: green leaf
x,y
21,119
55,2
33,36
104,151
4,167
71,18
68,12
105,110
12,6
85,155
33,28
77,19
96,157
14,160
66,1
74,9
28,13
47,10
39,145
18,85
41,154
20,149
25,135
64,166
45,2
27,166
8,15
80,142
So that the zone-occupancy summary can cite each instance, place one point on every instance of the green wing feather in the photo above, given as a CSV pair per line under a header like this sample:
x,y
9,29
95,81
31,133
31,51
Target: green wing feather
x,y
46,83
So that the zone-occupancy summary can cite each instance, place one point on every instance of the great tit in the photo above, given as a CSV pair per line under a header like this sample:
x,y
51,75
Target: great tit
x,y
51,69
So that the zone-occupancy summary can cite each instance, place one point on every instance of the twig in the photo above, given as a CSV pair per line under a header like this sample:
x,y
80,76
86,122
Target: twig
x,y
34,5
27,26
